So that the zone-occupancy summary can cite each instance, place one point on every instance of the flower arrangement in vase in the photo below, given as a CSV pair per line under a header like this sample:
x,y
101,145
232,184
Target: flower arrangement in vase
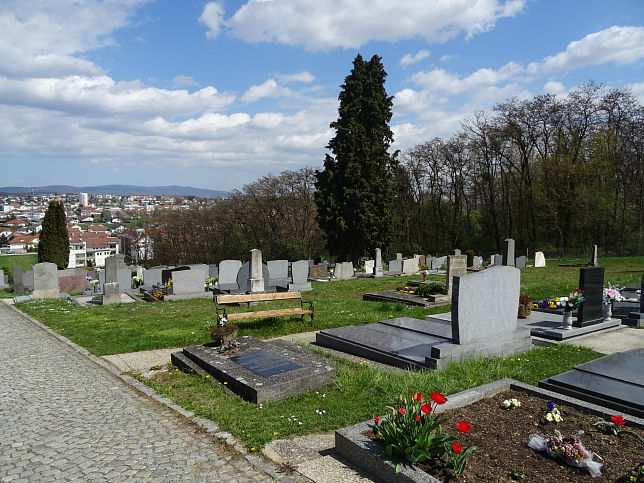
x,y
525,306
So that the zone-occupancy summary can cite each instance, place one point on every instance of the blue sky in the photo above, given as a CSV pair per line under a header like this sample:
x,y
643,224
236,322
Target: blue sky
x,y
217,94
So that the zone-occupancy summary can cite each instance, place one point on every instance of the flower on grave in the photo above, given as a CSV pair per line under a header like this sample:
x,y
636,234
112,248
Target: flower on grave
x,y
618,419
615,426
168,284
413,433
511,403
573,301
553,415
612,294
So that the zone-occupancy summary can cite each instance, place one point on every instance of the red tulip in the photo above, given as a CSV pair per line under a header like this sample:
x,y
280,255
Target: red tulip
x,y
463,427
418,396
426,408
619,420
401,410
418,417
457,448
438,398
376,419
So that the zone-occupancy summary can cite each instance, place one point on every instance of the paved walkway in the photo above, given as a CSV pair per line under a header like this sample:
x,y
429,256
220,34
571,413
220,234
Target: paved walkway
x,y
63,417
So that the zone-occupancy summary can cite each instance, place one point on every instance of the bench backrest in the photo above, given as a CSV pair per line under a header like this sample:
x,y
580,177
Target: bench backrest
x,y
256,297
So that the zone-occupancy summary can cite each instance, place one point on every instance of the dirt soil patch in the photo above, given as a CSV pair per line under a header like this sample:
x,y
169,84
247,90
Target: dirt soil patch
x,y
501,437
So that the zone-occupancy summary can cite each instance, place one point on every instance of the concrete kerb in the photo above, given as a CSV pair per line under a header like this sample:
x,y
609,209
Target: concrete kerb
x,y
210,427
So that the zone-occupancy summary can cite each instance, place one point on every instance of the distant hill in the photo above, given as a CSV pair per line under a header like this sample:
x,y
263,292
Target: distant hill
x,y
117,189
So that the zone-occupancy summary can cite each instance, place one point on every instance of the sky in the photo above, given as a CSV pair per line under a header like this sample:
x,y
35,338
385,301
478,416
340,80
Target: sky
x,y
216,94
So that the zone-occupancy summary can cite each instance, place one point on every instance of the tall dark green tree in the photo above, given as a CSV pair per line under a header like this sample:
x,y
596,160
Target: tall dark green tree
x,y
53,245
353,192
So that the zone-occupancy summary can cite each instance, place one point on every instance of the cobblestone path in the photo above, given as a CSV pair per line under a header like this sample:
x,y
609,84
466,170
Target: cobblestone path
x,y
62,417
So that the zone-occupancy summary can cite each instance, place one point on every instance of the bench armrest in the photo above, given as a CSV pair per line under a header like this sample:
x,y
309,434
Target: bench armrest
x,y
310,304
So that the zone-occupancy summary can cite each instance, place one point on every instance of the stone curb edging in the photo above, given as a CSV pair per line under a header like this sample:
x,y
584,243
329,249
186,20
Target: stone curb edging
x,y
362,452
210,427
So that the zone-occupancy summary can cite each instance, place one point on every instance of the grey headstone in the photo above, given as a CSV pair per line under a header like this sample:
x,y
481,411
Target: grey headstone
x,y
395,266
124,278
256,279
168,273
456,267
152,277
409,266
228,270
591,283
45,281
300,274
539,260
111,269
278,272
457,251
508,252
594,261
377,268
343,270
111,293
473,316
2,282
243,275
398,256
497,260
28,279
368,266
186,282
6,280
101,280
477,262
520,262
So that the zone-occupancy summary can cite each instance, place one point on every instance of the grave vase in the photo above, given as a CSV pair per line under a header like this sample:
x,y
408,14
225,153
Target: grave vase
x,y
567,320
607,310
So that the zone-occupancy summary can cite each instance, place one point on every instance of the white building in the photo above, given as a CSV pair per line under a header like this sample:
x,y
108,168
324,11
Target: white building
x,y
83,199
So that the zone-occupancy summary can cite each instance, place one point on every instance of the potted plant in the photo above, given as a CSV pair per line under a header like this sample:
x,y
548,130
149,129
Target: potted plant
x,y
525,306
225,335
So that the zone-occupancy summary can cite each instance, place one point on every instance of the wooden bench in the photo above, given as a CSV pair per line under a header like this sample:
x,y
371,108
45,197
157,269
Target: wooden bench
x,y
222,300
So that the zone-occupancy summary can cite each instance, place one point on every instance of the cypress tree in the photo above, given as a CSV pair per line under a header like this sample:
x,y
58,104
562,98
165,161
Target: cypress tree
x,y
53,245
353,192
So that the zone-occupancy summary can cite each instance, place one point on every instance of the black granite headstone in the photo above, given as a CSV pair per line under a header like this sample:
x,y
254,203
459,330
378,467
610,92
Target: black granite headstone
x,y
591,283
264,363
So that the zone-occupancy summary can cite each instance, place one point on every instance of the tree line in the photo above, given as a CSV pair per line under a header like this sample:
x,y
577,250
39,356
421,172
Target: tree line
x,y
555,173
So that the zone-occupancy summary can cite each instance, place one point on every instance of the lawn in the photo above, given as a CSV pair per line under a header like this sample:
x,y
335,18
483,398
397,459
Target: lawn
x,y
359,392
7,262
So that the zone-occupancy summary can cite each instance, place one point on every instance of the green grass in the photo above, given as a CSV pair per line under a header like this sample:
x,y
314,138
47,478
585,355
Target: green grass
x,y
26,261
358,393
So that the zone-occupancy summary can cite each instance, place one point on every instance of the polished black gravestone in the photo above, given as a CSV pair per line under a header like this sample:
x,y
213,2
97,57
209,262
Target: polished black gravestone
x,y
259,371
615,381
591,283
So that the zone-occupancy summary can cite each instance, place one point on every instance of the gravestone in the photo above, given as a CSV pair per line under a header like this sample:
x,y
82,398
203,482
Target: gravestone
x,y
124,278
278,273
377,266
228,270
520,262
368,266
343,270
497,259
28,279
409,266
111,293
2,282
508,252
399,256
457,251
591,283
456,267
256,278
299,274
260,371
152,277
168,273
395,266
437,262
188,282
477,262
422,260
45,281
243,276
70,282
539,260
594,262
319,271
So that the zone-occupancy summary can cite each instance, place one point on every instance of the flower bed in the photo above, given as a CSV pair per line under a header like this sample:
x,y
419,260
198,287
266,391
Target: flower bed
x,y
501,438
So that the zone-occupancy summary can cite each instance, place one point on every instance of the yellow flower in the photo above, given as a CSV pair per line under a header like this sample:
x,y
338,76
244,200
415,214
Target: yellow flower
x,y
225,382
252,449
207,376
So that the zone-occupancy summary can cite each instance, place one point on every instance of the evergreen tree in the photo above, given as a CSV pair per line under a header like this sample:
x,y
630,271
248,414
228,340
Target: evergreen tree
x,y
354,195
53,245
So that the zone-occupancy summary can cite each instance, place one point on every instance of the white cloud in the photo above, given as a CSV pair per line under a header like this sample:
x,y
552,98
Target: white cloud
x,y
352,23
409,59
554,87
270,88
621,45
213,18
304,77
184,81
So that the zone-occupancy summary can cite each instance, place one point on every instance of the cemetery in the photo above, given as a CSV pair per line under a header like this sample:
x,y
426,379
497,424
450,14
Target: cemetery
x,y
470,327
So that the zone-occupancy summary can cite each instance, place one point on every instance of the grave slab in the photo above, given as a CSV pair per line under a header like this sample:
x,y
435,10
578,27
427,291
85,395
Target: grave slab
x,y
259,371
